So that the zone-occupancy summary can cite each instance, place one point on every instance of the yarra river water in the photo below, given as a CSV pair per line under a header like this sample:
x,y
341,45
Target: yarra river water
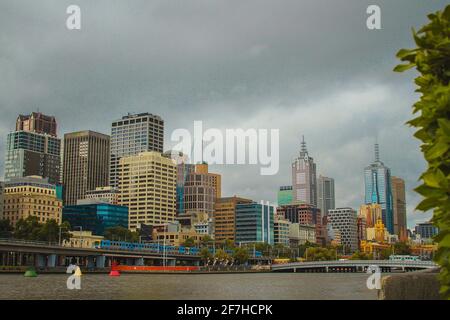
x,y
191,286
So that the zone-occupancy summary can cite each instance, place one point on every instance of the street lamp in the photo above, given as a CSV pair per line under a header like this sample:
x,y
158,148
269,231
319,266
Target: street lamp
x,y
81,235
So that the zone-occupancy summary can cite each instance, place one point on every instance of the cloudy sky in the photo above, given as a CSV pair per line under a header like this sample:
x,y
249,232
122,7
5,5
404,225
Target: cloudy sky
x,y
306,67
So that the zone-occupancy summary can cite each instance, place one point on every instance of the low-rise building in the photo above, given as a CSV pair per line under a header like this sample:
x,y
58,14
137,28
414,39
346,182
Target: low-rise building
x,y
171,233
426,230
96,216
31,196
103,194
281,230
82,239
301,234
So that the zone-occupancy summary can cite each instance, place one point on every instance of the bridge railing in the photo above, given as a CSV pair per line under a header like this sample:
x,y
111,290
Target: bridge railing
x,y
30,242
355,262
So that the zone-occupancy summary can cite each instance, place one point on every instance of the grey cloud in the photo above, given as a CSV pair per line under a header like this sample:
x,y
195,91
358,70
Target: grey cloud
x,y
231,64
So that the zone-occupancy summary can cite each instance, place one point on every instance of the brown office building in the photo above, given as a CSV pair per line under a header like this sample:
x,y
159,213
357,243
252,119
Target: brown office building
x,y
85,164
201,189
225,217
399,205
36,122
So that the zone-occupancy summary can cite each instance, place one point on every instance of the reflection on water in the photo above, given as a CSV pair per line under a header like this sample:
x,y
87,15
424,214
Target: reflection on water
x,y
190,286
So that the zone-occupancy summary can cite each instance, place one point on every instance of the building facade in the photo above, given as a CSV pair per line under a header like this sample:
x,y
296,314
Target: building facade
x,y
201,189
85,164
426,230
301,233
95,217
325,194
378,189
399,207
304,214
147,185
131,135
103,194
345,220
38,123
281,230
225,217
183,169
304,181
254,223
31,196
33,154
371,212
285,195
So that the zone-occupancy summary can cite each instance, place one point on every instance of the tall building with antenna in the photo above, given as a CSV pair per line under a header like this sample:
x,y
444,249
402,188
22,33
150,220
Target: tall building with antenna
x,y
378,189
304,182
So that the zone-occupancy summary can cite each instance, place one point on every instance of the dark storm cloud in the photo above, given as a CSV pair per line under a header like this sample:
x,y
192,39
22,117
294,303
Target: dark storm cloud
x,y
306,67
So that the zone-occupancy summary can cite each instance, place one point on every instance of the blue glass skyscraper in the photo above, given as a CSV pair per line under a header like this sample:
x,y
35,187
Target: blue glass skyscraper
x,y
378,189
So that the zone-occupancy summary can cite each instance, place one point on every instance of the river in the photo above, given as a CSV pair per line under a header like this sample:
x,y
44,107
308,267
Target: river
x,y
190,286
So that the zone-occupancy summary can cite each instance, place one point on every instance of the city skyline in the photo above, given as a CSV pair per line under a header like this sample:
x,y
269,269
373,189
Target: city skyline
x,y
247,78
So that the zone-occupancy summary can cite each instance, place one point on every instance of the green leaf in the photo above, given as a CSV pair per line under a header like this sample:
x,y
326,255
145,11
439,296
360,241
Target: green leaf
x,y
437,150
444,124
404,67
434,179
427,204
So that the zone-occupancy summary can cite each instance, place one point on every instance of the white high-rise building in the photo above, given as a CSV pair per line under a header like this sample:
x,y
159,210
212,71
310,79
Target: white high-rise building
x,y
131,135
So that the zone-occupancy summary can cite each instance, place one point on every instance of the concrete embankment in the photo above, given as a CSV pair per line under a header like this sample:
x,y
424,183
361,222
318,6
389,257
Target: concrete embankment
x,y
418,285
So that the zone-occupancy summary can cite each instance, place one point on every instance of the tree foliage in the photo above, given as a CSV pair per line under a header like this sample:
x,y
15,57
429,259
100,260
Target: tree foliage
x,y
120,233
241,255
189,242
6,229
431,58
50,231
320,254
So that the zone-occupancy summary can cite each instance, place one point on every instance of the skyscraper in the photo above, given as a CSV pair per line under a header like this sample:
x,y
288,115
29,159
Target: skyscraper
x,y
85,162
304,185
131,135
34,149
399,207
378,189
325,194
147,184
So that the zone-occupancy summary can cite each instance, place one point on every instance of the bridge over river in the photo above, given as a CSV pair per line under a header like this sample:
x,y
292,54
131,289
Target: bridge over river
x,y
353,266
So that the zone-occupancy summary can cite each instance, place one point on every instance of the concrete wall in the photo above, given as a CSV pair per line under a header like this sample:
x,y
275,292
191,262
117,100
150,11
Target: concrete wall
x,y
420,285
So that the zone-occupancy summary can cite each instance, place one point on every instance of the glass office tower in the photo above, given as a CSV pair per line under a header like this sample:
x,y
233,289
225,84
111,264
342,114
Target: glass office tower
x,y
378,189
